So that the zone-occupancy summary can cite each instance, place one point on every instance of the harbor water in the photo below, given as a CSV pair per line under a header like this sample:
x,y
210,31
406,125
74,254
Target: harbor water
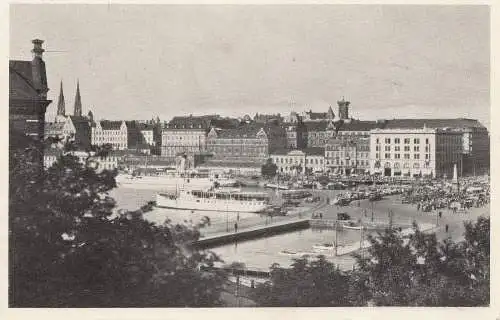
x,y
283,248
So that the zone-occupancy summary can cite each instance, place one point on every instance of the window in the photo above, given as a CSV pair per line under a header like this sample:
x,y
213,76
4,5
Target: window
x,y
416,141
388,140
377,141
407,148
416,156
387,148
416,148
397,140
387,156
427,157
427,141
396,148
407,140
407,156
397,156
377,148
376,155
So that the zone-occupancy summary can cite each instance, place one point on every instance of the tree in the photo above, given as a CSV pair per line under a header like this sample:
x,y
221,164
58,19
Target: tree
x,y
308,283
420,271
397,270
69,247
269,169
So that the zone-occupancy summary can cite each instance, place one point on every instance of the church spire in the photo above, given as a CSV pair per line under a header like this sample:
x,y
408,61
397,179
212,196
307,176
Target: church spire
x,y
78,101
61,105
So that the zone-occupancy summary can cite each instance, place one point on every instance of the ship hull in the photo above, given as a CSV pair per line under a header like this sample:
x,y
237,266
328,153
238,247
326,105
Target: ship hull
x,y
207,204
163,183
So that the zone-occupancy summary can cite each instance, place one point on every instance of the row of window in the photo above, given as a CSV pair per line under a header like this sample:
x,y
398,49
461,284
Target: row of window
x,y
347,163
406,165
110,138
347,154
190,137
416,156
285,160
405,140
339,148
236,141
109,132
406,148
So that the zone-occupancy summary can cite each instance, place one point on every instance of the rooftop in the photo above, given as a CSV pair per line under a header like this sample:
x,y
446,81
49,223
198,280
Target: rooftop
x,y
21,84
432,123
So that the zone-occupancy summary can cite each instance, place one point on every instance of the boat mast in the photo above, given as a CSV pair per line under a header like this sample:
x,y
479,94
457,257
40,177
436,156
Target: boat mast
x,y
336,237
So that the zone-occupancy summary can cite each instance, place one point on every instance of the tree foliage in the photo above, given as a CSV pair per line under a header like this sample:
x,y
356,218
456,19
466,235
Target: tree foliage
x,y
269,169
306,283
397,270
70,247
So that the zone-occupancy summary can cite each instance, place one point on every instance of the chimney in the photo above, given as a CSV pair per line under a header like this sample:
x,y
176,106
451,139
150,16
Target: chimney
x,y
38,69
37,48
343,109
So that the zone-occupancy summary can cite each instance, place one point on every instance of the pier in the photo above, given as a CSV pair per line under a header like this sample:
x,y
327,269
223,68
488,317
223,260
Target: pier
x,y
252,233
338,224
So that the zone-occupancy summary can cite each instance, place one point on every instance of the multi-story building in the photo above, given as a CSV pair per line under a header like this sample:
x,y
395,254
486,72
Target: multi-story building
x,y
348,154
296,135
28,97
114,133
475,138
415,152
248,142
109,162
308,116
185,135
298,162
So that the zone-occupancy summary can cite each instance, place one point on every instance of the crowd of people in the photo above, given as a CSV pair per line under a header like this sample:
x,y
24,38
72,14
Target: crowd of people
x,y
467,193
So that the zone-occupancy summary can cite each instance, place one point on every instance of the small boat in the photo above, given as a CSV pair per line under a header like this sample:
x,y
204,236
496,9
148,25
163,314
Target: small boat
x,y
288,253
353,226
276,186
324,247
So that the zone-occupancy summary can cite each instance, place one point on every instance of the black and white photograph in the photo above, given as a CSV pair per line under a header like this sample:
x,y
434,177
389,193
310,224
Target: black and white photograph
x,y
248,156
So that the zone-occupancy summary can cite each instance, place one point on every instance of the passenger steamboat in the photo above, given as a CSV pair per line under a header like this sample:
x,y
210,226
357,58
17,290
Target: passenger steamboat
x,y
229,200
171,181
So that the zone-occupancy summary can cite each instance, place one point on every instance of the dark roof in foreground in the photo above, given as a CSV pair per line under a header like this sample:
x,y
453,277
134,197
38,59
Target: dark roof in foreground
x,y
21,84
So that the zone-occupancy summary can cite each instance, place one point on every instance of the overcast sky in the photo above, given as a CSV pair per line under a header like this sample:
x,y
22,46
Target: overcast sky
x,y
139,61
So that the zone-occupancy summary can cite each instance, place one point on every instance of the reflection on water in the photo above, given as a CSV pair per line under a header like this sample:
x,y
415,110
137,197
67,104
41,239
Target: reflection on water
x,y
262,253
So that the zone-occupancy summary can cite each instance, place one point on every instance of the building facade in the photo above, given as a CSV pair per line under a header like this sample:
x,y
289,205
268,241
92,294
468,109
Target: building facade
x,y
247,143
185,135
299,162
114,133
296,135
475,140
28,97
346,154
415,152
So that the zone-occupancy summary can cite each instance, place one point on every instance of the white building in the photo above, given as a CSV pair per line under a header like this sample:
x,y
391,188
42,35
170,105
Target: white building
x,y
110,132
108,162
415,152
297,162
60,129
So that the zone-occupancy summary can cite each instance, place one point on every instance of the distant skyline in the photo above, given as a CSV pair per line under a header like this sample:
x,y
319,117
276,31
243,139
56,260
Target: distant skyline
x,y
143,61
